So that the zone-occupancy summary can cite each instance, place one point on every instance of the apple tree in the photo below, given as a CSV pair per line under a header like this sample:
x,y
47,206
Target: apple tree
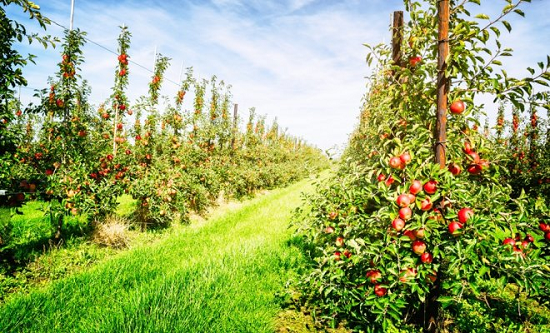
x,y
398,243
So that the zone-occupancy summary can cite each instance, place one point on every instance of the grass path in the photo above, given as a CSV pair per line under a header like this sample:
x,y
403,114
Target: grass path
x,y
218,277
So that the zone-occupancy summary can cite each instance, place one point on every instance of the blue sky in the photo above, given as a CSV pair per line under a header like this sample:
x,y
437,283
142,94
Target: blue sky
x,y
301,61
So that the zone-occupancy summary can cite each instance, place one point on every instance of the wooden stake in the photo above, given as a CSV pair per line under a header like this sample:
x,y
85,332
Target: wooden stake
x,y
114,129
233,137
443,83
397,38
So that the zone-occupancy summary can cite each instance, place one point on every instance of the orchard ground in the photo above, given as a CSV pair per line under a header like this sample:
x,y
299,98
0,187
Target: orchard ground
x,y
218,274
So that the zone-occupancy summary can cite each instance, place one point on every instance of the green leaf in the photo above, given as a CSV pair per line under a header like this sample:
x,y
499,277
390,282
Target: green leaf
x,y
519,12
483,270
507,25
445,301
482,16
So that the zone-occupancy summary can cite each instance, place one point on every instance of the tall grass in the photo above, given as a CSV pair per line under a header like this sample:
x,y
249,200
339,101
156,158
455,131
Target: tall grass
x,y
220,277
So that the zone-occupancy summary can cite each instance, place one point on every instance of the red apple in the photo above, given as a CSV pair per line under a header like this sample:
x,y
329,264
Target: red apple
x,y
464,214
407,274
410,234
430,187
329,230
347,253
454,226
395,163
380,291
405,158
340,241
381,177
82,133
426,258
20,197
128,151
474,169
509,241
332,215
524,244
389,181
405,213
467,147
337,255
414,61
474,156
529,238
412,197
418,247
403,200
374,276
415,187
420,233
119,126
457,107
547,236
398,224
431,278
544,227
105,115
426,204
454,169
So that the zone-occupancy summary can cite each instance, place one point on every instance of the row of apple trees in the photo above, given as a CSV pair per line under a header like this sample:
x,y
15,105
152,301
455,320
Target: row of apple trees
x,y
80,159
397,243
527,141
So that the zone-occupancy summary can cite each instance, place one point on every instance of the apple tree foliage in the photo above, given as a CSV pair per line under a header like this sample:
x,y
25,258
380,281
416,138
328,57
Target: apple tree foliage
x,y
80,159
378,275
11,77
527,142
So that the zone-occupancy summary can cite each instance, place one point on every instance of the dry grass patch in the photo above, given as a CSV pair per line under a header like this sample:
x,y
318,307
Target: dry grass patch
x,y
294,321
113,232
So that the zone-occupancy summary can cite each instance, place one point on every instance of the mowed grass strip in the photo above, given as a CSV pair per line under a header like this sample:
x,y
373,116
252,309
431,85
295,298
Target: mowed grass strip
x,y
221,277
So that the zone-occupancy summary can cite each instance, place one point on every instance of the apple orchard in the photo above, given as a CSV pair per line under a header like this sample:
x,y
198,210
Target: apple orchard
x,y
431,222
78,160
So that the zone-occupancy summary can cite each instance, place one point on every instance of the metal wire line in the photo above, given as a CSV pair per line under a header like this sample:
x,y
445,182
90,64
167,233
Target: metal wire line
x,y
116,53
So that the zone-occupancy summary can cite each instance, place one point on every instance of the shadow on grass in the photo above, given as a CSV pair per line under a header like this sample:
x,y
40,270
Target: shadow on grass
x,y
25,239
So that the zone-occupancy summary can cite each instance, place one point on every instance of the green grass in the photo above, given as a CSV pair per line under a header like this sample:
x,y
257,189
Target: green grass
x,y
220,276
125,205
32,231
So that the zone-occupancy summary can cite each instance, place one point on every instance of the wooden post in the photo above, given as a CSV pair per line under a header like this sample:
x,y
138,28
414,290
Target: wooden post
x,y
234,132
443,83
114,129
397,38
432,306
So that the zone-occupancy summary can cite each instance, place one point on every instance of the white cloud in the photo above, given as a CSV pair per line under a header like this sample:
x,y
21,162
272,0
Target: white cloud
x,y
301,61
